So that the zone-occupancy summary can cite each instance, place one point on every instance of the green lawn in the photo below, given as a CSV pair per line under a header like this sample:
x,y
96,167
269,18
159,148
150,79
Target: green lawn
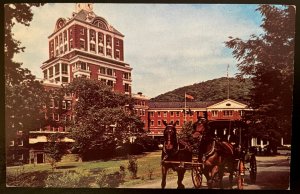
x,y
87,174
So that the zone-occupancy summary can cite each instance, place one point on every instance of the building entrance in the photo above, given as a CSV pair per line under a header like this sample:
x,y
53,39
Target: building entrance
x,y
39,158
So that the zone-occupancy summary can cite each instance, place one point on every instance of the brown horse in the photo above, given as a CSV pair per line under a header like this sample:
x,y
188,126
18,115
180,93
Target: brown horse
x,y
173,155
216,156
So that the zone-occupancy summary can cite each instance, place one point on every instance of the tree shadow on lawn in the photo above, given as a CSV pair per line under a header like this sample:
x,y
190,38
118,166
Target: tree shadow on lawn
x,y
65,167
27,179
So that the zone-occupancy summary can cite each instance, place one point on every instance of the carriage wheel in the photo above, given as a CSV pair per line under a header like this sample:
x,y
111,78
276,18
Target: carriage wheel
x,y
240,175
197,177
253,169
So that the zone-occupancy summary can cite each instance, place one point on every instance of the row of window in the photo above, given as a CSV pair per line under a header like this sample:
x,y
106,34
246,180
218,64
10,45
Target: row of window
x,y
165,113
60,43
18,157
226,113
56,117
19,143
141,112
56,70
159,122
65,104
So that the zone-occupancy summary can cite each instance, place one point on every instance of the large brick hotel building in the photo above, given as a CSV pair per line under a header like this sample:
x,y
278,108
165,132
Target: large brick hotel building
x,y
86,45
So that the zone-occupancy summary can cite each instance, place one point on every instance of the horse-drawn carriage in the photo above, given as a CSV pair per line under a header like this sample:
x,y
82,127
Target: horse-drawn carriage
x,y
214,148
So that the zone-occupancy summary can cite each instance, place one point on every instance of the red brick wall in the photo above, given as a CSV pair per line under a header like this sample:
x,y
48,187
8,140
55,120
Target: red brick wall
x,y
78,35
120,48
94,71
119,81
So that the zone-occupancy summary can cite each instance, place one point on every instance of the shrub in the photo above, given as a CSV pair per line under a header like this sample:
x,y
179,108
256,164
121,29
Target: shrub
x,y
69,179
133,167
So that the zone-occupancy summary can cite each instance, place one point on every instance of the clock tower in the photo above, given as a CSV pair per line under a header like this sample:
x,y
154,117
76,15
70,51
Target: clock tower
x,y
85,6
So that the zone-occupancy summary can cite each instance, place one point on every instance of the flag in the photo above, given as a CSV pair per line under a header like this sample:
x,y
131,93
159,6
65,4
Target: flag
x,y
189,97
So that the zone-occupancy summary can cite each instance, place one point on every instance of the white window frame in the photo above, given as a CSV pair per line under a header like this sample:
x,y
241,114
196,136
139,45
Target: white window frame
x,y
21,143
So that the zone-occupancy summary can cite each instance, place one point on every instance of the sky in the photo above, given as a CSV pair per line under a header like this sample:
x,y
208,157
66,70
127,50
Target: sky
x,y
167,45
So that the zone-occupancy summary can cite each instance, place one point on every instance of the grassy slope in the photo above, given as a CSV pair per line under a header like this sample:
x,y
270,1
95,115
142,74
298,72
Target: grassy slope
x,y
145,163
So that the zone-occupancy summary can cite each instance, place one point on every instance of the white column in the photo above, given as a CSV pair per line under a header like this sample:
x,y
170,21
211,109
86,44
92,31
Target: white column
x,y
104,44
112,47
96,42
88,40
60,72
261,143
281,140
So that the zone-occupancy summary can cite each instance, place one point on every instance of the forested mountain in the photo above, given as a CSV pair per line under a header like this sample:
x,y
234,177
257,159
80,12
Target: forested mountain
x,y
215,89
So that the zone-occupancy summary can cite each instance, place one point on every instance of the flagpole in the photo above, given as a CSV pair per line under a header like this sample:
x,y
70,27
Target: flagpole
x,y
228,82
185,106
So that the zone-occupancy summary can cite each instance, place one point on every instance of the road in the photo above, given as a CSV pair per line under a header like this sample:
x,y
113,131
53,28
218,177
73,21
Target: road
x,y
273,172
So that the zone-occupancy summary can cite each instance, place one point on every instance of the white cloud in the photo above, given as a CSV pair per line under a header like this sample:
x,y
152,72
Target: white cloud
x,y
167,45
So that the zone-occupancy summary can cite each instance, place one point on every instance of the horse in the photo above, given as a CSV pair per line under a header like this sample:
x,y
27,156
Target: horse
x,y
173,155
215,155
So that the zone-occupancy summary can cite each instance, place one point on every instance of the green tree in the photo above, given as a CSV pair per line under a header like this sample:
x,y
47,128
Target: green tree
x,y
268,59
55,148
103,119
23,94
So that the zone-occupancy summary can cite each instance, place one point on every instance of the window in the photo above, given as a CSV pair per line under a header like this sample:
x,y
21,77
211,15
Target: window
x,y
177,113
92,47
61,50
55,116
100,38
227,113
12,143
45,74
172,114
109,71
241,113
108,52
127,75
60,39
83,66
82,44
82,31
165,114
126,87
57,69
64,68
144,112
110,83
158,114
63,104
21,157
20,142
177,122
158,123
108,41
56,41
103,81
151,114
100,49
92,37
65,36
51,105
56,103
102,70
68,105
152,123
117,54
117,42
50,72
71,44
65,79
57,79
214,113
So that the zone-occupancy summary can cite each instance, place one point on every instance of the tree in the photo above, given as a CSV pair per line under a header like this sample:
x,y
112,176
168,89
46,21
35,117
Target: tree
x,y
23,94
55,148
268,60
103,119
